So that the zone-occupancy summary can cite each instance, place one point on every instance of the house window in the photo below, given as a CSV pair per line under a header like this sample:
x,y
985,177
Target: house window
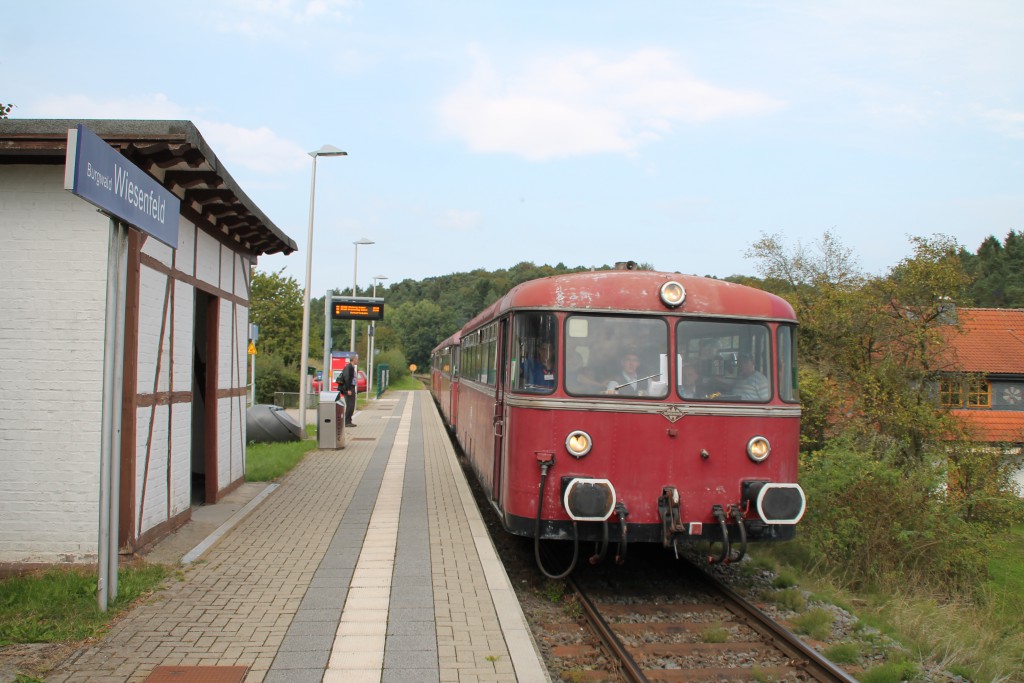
x,y
949,393
978,395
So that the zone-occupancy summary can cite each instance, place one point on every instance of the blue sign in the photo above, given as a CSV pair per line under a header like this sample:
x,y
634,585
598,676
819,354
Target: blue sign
x,y
101,175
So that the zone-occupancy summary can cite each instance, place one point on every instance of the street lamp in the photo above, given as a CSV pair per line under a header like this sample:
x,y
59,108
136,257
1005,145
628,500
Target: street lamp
x,y
325,151
355,280
371,343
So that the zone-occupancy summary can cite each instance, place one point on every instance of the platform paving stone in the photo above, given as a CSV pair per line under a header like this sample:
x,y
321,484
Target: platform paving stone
x,y
269,594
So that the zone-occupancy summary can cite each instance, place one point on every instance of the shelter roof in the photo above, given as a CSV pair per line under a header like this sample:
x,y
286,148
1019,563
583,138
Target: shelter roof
x,y
172,152
989,340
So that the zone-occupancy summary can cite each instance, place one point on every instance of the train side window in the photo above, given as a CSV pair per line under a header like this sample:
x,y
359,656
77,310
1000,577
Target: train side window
x,y
788,390
534,353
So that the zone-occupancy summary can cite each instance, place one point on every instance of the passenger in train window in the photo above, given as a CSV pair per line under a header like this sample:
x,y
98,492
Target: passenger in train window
x,y
581,377
750,385
540,368
689,382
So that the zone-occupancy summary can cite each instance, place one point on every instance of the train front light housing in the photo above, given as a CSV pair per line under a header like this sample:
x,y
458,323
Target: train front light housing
x,y
758,449
578,443
673,294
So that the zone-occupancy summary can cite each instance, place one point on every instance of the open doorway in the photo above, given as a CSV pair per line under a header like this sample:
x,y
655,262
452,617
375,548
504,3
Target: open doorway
x,y
204,399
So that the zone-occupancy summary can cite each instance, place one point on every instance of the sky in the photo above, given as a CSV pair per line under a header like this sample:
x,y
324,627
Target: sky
x,y
481,134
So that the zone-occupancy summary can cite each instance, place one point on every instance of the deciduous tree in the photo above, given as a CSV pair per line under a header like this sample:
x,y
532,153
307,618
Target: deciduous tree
x,y
276,306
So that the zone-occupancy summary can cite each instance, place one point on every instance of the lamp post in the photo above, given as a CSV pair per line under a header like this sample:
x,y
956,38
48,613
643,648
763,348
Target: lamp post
x,y
355,280
325,151
371,343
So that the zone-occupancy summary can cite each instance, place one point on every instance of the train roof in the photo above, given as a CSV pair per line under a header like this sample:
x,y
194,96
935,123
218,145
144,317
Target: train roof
x,y
637,291
453,340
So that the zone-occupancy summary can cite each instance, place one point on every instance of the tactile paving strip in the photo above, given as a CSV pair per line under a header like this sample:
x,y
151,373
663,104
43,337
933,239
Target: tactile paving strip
x,y
197,674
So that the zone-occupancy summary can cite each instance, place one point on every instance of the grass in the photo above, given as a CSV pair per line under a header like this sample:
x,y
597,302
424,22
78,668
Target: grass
x,y
816,623
60,604
714,634
1006,587
268,461
843,653
980,639
407,383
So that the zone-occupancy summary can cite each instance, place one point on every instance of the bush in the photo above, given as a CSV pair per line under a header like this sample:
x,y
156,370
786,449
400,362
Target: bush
x,y
398,367
273,375
875,523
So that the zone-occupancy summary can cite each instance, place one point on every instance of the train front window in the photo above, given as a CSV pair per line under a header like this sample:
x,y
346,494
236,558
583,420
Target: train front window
x,y
723,361
616,356
535,353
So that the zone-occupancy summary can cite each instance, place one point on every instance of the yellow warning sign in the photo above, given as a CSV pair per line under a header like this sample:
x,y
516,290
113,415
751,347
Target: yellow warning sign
x,y
252,349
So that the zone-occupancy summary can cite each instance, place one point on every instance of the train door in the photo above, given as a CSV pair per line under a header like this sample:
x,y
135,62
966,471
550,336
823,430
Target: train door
x,y
500,418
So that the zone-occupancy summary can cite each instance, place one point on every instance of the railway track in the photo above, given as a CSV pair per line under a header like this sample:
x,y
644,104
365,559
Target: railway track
x,y
689,628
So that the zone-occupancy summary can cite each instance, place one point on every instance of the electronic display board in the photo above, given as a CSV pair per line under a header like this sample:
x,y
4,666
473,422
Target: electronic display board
x,y
357,308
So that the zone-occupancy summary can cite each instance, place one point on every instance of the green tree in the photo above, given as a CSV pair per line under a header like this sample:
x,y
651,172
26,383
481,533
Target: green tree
x,y
421,326
5,110
997,271
276,306
873,343
273,375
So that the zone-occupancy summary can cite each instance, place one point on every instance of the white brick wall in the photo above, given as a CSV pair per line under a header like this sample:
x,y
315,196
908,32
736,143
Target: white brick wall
x,y
52,294
208,259
52,298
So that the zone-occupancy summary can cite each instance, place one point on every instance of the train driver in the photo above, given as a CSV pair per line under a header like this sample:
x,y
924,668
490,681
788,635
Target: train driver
x,y
627,380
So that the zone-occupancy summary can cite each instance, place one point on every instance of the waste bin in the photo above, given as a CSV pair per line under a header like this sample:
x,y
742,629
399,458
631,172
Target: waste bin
x,y
330,422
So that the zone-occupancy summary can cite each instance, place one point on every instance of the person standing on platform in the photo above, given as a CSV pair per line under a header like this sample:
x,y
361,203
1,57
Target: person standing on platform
x,y
348,385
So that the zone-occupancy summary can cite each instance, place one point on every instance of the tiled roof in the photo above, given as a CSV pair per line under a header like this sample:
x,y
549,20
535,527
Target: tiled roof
x,y
994,426
990,340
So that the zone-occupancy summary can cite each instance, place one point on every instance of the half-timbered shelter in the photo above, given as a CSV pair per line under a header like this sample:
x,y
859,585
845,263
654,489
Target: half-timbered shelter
x,y
182,438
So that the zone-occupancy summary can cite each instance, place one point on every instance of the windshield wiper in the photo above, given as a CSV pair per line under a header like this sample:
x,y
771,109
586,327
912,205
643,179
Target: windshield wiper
x,y
639,379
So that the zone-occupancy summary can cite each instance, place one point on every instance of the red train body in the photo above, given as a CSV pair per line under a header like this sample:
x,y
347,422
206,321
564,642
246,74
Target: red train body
x,y
633,405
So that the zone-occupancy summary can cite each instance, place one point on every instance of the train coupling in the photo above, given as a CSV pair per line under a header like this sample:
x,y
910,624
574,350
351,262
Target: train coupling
x,y
672,527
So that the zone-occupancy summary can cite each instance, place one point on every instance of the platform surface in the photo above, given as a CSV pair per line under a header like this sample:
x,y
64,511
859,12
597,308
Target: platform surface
x,y
369,563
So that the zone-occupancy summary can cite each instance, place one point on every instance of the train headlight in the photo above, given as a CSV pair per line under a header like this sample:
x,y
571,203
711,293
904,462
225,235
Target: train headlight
x,y
758,448
578,443
673,294
589,500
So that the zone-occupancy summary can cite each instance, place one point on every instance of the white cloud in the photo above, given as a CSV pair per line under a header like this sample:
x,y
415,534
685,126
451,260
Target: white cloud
x,y
460,221
1009,123
584,104
259,18
256,149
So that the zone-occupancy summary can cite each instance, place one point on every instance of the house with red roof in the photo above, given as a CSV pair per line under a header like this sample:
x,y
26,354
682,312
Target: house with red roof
x,y
986,389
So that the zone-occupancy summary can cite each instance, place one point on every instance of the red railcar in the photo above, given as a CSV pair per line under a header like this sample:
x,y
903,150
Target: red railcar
x,y
640,406
444,377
